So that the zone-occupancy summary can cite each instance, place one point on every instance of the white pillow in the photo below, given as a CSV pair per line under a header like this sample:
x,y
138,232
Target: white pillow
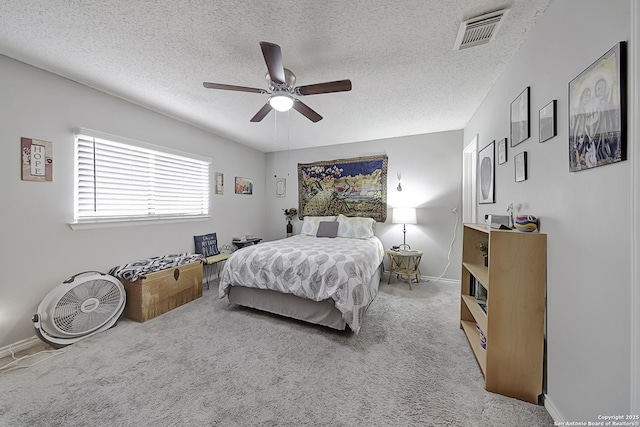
x,y
356,227
311,223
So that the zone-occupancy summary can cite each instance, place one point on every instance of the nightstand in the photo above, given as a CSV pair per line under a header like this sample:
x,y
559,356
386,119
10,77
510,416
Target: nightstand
x,y
405,263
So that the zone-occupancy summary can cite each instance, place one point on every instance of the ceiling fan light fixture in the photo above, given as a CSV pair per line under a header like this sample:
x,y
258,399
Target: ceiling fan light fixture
x,y
281,102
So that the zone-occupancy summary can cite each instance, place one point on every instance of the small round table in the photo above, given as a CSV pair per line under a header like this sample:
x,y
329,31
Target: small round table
x,y
404,263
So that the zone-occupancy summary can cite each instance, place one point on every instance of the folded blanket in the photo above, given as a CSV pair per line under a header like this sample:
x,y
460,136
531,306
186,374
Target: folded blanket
x,y
139,269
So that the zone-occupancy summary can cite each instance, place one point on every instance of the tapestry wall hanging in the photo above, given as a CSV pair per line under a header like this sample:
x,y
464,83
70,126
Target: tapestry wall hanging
x,y
351,187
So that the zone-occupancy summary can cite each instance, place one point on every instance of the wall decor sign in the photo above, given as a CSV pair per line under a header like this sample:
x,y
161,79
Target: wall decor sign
x,y
219,185
519,123
502,151
352,187
37,159
281,187
547,121
244,185
486,173
598,112
520,161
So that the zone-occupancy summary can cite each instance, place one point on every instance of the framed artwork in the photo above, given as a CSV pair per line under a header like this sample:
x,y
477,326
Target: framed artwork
x,y
244,185
486,173
353,187
37,160
598,112
519,124
547,121
219,185
281,187
502,151
520,161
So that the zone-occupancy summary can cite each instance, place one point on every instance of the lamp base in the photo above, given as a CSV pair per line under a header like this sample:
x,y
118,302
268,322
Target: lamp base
x,y
404,247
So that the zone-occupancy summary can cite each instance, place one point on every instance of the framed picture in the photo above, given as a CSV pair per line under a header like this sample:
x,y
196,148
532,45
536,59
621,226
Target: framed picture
x,y
486,173
502,151
547,121
219,185
520,161
281,187
520,118
244,185
598,112
37,160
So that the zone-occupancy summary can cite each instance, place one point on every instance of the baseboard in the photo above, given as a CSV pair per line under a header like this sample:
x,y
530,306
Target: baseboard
x,y
553,410
19,346
429,279
442,279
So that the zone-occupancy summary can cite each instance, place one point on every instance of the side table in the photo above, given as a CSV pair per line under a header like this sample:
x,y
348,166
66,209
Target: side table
x,y
404,263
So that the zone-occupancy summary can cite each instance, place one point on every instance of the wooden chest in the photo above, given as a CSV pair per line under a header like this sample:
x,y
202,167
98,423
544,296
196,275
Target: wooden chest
x,y
162,291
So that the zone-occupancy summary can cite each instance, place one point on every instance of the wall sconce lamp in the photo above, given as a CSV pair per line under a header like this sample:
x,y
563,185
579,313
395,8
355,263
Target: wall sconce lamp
x,y
404,216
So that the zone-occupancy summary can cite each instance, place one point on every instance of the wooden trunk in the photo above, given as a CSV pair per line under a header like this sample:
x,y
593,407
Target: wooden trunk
x,y
162,291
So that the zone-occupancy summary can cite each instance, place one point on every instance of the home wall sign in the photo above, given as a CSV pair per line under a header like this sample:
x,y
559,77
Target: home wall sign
x,y
37,159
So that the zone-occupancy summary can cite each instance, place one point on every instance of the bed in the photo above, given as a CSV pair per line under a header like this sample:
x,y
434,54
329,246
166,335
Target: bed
x,y
327,275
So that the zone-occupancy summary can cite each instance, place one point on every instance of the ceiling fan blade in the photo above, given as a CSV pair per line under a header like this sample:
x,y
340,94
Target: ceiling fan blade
x,y
328,87
306,111
273,58
262,113
233,87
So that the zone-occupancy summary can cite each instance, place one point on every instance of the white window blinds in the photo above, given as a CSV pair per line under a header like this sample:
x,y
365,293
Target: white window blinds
x,y
118,181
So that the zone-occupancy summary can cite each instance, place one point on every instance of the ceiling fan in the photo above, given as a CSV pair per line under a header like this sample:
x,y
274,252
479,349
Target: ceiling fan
x,y
281,87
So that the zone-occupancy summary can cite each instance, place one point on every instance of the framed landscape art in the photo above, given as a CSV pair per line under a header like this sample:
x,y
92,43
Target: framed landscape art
x,y
486,173
519,124
598,112
244,185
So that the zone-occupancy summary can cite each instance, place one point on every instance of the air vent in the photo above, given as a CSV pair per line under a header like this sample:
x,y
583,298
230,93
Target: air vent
x,y
479,30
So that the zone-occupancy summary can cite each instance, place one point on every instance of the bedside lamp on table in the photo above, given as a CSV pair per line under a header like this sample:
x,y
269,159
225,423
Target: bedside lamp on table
x,y
404,216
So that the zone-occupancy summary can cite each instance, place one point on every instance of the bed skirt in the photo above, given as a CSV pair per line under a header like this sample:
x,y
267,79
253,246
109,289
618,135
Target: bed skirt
x,y
319,312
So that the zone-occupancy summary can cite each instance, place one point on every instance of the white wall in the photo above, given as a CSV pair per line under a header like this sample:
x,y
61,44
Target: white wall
x,y
39,250
585,214
430,168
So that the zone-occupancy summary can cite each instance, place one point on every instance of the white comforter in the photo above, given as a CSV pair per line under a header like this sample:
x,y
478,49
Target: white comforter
x,y
310,267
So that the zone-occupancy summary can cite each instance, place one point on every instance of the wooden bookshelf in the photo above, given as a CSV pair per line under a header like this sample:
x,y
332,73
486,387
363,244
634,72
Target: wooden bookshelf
x,y
515,282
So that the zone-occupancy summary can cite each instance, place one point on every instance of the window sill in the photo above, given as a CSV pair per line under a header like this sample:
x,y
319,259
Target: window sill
x,y
128,222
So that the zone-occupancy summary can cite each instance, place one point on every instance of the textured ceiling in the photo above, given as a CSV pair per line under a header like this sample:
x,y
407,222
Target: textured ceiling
x,y
406,77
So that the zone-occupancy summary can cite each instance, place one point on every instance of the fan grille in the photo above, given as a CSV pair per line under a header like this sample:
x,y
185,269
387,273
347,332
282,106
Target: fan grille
x,y
70,316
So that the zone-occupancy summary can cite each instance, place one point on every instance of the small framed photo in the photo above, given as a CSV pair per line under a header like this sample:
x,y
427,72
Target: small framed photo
x,y
519,125
520,161
219,185
547,119
502,151
281,187
486,173
244,185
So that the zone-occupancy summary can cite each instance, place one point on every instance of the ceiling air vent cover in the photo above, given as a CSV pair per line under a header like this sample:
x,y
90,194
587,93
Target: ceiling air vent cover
x,y
479,30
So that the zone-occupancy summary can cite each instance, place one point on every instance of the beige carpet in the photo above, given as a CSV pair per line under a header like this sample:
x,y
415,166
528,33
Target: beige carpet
x,y
211,364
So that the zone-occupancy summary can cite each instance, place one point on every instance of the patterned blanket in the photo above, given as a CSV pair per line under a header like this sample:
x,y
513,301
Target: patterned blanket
x,y
310,267
135,270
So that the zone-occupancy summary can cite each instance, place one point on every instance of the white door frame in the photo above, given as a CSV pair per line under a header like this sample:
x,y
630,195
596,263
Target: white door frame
x,y
632,144
469,187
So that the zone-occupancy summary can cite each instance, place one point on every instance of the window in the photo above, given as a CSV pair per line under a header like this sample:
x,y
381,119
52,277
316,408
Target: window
x,y
126,180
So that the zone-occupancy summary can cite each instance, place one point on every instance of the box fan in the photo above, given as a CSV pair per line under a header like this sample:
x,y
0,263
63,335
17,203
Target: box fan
x,y
81,306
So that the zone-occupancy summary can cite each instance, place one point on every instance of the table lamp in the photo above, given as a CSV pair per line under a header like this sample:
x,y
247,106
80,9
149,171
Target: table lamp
x,y
404,216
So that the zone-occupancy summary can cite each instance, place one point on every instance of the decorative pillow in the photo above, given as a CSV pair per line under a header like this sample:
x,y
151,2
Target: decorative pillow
x,y
327,229
356,227
310,224
207,244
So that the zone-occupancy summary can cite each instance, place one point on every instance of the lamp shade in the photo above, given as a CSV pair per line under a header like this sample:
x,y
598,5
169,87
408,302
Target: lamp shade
x,y
404,216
